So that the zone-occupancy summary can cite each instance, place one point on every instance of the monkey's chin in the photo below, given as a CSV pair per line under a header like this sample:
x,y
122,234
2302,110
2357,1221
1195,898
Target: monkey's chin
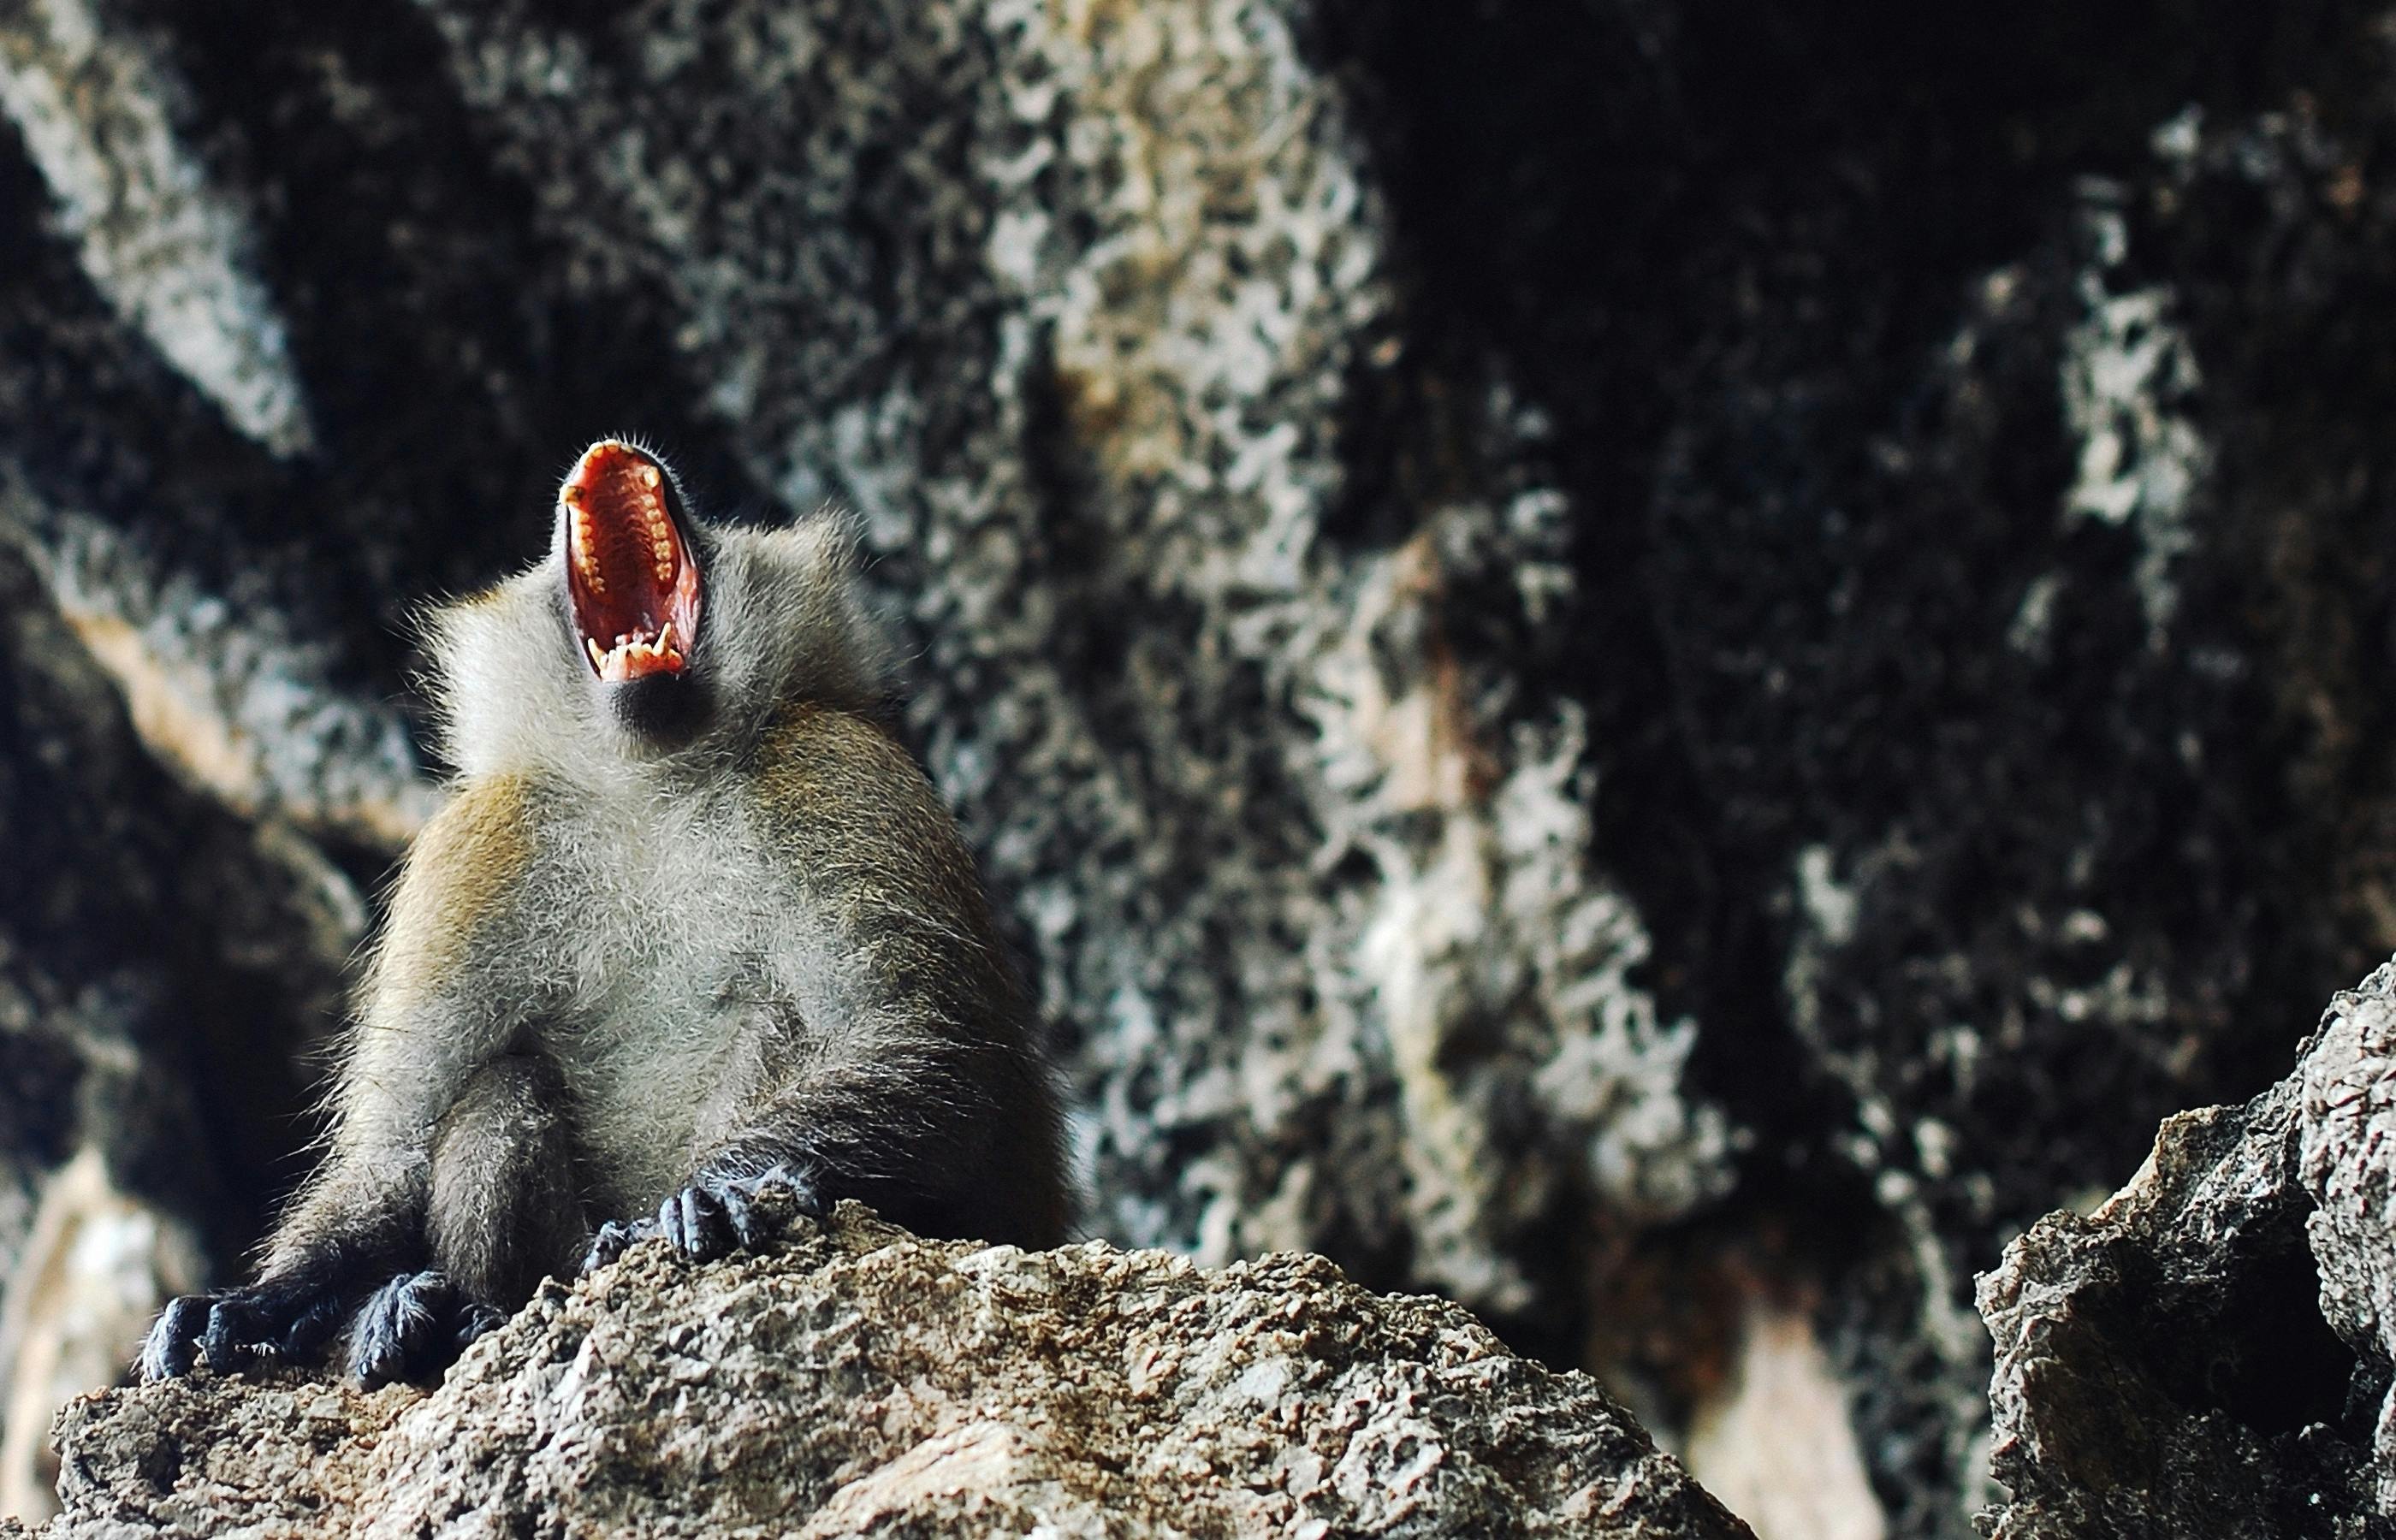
x,y
661,711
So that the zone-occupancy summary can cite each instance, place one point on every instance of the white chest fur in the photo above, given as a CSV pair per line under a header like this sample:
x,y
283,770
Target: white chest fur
x,y
669,945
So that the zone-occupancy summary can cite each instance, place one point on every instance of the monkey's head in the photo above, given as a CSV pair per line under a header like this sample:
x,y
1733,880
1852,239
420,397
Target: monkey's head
x,y
647,633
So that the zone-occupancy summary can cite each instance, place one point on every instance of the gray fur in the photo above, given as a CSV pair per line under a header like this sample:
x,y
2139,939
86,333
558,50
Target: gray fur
x,y
754,945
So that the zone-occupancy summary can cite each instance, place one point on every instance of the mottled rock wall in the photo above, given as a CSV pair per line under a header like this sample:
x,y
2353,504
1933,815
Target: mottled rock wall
x,y
1661,671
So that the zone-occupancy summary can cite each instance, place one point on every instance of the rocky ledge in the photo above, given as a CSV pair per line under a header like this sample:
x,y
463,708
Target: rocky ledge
x,y
2209,1353
860,1380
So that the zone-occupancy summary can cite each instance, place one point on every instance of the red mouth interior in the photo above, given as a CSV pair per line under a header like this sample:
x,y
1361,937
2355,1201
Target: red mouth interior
x,y
629,572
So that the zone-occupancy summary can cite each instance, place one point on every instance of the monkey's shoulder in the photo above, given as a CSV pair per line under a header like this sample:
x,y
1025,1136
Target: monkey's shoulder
x,y
461,880
810,750
465,865
835,785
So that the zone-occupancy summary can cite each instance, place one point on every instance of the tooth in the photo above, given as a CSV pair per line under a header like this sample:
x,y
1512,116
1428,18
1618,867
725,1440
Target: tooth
x,y
571,496
649,475
596,660
665,636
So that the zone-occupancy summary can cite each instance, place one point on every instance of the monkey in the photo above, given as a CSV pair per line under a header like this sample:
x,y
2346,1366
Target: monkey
x,y
691,923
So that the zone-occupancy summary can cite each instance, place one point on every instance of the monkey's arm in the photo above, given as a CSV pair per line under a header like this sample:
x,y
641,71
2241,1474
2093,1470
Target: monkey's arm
x,y
430,1020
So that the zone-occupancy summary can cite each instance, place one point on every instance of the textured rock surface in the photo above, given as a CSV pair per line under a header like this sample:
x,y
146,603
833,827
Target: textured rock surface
x,y
863,1381
1600,652
2209,1353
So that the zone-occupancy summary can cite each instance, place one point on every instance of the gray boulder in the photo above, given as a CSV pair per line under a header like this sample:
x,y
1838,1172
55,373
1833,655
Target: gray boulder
x,y
2208,1353
860,1380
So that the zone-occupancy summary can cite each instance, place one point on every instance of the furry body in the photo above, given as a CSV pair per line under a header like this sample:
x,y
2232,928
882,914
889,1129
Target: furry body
x,y
671,937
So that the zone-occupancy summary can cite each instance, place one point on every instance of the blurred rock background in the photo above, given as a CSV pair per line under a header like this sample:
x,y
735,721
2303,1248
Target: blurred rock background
x,y
1662,669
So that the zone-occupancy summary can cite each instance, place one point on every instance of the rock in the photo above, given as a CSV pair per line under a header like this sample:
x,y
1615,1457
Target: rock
x,y
863,1380
95,1272
2209,1353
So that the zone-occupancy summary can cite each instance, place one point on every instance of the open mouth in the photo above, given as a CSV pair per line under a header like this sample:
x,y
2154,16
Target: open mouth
x,y
630,578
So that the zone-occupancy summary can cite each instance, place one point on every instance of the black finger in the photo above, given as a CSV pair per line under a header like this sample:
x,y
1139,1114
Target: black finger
x,y
169,1352
232,1333
475,1320
404,1332
611,1241
313,1322
750,1228
696,1225
806,1197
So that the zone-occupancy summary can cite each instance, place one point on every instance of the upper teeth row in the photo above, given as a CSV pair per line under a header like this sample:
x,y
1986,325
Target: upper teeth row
x,y
652,513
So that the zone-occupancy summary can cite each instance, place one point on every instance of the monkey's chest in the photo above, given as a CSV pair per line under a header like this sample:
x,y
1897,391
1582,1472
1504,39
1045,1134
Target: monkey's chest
x,y
666,984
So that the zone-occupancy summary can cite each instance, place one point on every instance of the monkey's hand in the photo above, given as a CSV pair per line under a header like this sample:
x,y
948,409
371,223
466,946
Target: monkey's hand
x,y
715,1215
414,1327
287,1316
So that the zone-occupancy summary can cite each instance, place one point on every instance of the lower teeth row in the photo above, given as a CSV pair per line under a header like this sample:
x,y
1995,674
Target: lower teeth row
x,y
630,647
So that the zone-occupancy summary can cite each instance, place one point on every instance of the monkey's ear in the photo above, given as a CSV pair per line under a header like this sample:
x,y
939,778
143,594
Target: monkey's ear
x,y
801,627
837,534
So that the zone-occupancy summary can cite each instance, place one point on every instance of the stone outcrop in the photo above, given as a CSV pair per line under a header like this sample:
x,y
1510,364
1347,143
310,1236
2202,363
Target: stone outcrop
x,y
2209,1353
861,1381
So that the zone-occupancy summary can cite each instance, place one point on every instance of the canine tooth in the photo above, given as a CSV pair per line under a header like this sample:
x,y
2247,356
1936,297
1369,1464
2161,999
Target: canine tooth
x,y
649,475
596,660
571,496
665,636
